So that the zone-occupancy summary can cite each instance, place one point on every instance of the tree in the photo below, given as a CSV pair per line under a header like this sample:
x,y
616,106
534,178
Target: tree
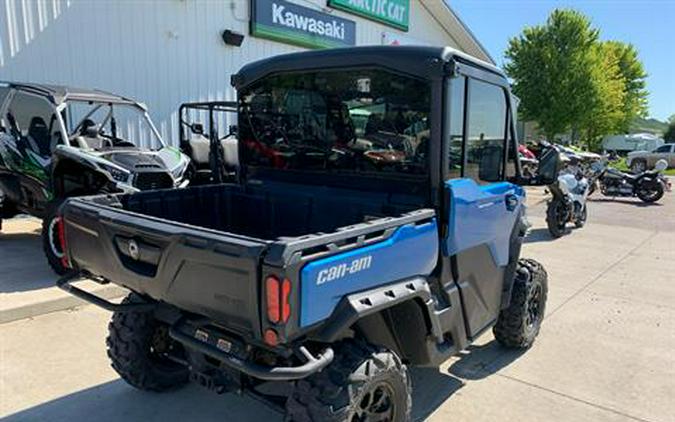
x,y
552,67
669,136
603,109
633,75
567,79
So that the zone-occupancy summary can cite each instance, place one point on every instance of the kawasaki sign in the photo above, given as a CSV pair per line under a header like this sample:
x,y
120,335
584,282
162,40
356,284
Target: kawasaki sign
x,y
390,12
287,22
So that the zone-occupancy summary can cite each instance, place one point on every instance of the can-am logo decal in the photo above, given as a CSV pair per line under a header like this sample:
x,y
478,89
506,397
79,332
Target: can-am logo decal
x,y
283,21
346,268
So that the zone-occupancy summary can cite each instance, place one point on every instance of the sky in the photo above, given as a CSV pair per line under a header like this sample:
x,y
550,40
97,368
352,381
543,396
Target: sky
x,y
647,24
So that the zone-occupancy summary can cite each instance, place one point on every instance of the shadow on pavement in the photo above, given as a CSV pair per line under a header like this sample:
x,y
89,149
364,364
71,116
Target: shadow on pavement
x,y
23,266
480,361
431,388
628,201
116,401
540,234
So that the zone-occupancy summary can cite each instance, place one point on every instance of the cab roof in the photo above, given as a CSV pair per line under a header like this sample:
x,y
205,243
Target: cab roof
x,y
58,94
422,61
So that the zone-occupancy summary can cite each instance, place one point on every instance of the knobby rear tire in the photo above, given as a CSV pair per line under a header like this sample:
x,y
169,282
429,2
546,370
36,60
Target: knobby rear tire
x,y
130,339
358,378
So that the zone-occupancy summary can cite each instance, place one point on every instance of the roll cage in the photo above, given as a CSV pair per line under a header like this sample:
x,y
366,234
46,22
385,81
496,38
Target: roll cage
x,y
60,96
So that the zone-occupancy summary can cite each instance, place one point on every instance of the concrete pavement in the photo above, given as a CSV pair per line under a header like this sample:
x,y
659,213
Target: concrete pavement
x,y
26,281
606,351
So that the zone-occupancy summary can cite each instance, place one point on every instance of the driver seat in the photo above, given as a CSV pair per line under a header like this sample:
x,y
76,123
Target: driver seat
x,y
38,136
199,145
90,136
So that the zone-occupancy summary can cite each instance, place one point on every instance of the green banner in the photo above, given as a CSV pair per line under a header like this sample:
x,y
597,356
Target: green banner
x,y
292,23
394,13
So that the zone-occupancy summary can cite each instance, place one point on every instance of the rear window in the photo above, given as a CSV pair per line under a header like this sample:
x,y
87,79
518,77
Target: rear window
x,y
347,121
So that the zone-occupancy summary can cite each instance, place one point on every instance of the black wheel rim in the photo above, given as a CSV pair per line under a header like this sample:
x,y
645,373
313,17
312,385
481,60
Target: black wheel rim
x,y
533,306
377,405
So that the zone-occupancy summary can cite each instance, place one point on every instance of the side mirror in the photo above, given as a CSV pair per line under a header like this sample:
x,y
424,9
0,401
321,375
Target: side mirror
x,y
197,128
549,166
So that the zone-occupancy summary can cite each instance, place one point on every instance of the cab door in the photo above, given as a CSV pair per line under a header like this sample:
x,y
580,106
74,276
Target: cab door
x,y
482,207
33,124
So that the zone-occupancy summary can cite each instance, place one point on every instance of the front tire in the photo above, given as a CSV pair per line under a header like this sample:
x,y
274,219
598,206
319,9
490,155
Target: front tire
x,y
363,383
518,325
51,244
555,218
138,346
583,216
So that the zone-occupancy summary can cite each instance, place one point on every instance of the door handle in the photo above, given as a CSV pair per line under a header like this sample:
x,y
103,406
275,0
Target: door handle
x,y
511,201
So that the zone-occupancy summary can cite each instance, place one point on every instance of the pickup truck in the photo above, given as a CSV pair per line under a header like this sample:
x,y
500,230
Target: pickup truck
x,y
341,256
640,161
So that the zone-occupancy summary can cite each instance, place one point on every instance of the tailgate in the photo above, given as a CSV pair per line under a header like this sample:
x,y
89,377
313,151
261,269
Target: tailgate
x,y
211,273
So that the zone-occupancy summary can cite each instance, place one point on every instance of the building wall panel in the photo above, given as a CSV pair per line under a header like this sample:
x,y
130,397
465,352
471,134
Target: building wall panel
x,y
161,52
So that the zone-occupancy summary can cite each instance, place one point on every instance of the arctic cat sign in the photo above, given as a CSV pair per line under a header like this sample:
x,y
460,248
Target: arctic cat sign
x,y
391,12
287,22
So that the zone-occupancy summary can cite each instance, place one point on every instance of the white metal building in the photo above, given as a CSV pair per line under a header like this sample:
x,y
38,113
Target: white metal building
x,y
165,52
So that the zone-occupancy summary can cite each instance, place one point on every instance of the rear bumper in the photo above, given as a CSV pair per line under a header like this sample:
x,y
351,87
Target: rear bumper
x,y
182,333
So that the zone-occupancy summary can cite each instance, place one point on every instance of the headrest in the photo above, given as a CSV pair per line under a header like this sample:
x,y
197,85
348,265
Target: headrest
x,y
37,125
91,131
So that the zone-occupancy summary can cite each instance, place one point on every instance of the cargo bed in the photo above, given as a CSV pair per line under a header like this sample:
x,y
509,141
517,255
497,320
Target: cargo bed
x,y
205,249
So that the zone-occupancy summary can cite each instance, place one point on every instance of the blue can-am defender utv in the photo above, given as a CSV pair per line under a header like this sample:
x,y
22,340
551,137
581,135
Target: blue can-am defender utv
x,y
374,226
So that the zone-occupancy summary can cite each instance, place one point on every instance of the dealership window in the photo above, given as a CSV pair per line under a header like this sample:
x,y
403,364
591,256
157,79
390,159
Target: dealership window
x,y
4,91
486,132
457,91
32,120
347,121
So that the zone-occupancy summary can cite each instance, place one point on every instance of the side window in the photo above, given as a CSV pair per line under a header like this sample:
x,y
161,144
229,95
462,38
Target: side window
x,y
663,148
33,121
457,91
486,131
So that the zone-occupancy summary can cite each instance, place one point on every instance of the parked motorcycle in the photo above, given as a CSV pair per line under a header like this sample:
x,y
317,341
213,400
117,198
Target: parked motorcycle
x,y
568,202
649,186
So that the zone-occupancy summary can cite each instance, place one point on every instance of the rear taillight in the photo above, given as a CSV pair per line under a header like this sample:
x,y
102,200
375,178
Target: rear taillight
x,y
277,294
61,235
285,300
273,295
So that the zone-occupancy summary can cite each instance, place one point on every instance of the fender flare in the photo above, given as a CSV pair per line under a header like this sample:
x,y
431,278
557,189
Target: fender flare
x,y
354,307
518,234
